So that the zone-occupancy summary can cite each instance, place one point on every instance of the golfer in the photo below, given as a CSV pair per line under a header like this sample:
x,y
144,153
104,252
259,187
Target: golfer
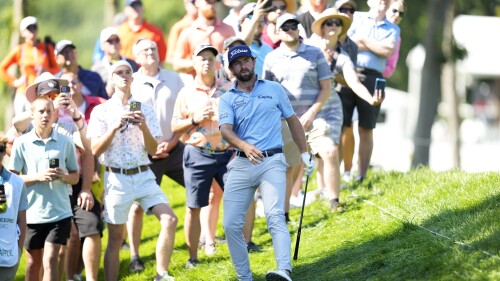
x,y
250,120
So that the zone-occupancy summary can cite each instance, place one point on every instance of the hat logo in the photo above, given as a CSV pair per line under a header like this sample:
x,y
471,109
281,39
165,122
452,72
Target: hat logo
x,y
51,84
237,51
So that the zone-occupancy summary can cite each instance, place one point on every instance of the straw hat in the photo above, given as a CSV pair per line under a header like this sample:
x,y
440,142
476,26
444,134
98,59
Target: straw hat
x,y
331,13
50,83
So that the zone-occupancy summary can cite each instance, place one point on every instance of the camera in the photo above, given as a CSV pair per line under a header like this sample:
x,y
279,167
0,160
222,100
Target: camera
x,y
380,85
135,106
54,163
65,89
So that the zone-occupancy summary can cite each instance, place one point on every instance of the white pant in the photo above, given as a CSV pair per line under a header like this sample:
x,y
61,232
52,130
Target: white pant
x,y
243,178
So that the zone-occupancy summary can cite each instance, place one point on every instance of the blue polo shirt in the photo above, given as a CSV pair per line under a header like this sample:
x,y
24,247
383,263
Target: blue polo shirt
x,y
364,24
256,116
47,201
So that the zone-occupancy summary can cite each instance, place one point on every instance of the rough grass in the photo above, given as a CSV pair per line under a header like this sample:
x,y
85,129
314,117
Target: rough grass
x,y
419,225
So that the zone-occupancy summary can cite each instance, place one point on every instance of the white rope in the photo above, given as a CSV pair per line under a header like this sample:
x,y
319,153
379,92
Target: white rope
x,y
424,228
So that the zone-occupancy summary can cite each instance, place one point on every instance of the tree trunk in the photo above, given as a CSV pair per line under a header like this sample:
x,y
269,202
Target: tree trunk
x,y
110,8
431,83
450,97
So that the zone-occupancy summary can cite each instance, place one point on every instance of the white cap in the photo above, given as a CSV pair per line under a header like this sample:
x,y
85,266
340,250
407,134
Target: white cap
x,y
108,32
284,18
247,9
119,63
27,21
61,45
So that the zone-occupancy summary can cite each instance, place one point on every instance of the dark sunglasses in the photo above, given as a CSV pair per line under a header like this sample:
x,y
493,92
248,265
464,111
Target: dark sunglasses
x,y
289,27
347,10
32,27
401,13
113,40
275,8
250,16
2,149
331,22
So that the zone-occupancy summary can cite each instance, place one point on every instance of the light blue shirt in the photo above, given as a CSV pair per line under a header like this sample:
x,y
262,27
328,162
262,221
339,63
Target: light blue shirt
x,y
364,24
47,201
260,52
256,116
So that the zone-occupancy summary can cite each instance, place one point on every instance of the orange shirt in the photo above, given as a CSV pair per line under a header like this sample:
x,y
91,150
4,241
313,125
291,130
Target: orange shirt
x,y
128,37
193,98
32,61
174,33
201,34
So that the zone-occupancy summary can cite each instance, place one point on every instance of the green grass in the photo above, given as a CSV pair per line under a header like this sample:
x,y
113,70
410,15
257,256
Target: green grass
x,y
397,226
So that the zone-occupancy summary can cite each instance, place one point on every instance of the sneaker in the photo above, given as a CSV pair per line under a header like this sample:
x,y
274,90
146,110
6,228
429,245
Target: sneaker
x,y
125,245
136,265
252,247
210,249
191,263
164,277
336,207
278,275
347,177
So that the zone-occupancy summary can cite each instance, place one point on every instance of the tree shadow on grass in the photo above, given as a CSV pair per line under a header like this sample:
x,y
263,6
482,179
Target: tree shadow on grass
x,y
411,252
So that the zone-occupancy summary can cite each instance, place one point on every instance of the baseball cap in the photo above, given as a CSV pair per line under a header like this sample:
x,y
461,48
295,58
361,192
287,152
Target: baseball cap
x,y
231,40
61,45
239,51
27,21
284,18
107,33
340,3
133,2
119,63
203,47
247,9
44,84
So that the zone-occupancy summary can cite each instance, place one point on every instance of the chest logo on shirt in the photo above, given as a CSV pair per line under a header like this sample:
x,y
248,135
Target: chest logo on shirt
x,y
264,97
239,103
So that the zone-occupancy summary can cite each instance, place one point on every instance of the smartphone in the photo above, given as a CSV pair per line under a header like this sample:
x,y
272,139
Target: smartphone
x,y
65,89
135,106
54,163
380,85
3,199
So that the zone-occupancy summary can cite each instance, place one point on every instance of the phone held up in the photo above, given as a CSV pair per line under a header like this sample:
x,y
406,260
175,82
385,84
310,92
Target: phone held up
x,y
134,106
380,85
3,200
54,163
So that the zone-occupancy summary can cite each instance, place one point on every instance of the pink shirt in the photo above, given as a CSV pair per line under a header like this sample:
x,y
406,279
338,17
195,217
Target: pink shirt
x,y
392,61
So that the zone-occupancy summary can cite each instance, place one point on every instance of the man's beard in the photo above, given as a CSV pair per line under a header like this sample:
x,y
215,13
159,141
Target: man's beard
x,y
245,77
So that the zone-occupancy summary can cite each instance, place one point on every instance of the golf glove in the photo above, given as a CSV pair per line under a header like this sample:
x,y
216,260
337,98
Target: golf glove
x,y
308,163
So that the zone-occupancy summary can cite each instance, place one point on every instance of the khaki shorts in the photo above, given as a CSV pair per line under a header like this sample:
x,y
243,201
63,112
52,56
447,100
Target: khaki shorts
x,y
321,136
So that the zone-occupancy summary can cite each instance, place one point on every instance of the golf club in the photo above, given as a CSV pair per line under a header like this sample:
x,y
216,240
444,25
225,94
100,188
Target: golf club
x,y
297,242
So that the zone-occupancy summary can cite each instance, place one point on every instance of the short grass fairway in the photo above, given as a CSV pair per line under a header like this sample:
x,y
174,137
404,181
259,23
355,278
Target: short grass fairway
x,y
419,225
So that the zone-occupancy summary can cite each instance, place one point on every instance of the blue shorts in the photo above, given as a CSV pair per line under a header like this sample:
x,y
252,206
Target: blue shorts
x,y
200,168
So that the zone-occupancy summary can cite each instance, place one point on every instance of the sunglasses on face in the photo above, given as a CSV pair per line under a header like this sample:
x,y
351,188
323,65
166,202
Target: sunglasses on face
x,y
113,40
32,27
401,13
52,96
331,22
250,16
275,8
347,10
289,27
2,148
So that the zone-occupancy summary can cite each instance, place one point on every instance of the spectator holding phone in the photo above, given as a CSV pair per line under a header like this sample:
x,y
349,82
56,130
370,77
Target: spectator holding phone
x,y
13,205
374,49
327,30
122,137
47,161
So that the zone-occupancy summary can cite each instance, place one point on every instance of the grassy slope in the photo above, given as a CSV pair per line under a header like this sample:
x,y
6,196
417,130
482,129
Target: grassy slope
x,y
368,242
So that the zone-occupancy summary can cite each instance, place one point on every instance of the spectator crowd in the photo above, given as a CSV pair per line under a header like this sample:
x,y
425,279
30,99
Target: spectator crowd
x,y
256,100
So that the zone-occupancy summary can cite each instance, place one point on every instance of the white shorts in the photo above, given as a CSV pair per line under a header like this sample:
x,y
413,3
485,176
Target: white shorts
x,y
120,192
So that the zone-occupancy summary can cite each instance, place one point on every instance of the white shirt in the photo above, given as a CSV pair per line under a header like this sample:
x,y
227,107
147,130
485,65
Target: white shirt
x,y
127,148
